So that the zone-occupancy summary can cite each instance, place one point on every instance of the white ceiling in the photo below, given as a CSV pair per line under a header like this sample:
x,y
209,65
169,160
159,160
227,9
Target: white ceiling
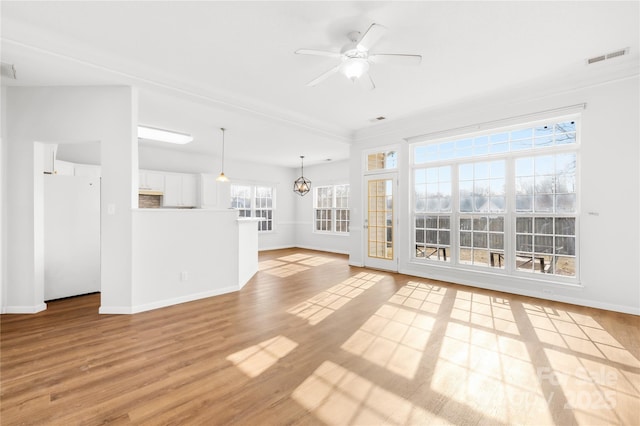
x,y
205,65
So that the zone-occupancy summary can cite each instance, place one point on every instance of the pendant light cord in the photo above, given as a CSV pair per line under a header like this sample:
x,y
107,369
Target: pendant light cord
x,y
222,170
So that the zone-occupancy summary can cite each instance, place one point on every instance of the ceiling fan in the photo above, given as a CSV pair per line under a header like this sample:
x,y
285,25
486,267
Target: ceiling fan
x,y
356,58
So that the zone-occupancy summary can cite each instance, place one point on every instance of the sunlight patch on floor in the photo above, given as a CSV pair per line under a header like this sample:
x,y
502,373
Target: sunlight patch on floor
x,y
295,257
580,353
286,270
320,306
485,311
269,264
338,396
256,359
316,261
393,338
396,335
490,373
420,296
287,266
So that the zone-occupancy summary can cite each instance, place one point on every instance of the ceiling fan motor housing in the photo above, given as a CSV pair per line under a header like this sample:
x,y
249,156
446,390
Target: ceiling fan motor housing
x,y
351,50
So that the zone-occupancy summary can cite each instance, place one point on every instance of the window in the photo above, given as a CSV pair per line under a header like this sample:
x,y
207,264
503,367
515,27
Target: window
x,y
331,209
254,201
432,199
509,197
382,161
481,207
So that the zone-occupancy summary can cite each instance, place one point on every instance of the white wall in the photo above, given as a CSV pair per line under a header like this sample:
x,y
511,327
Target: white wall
x,y
66,115
171,160
331,173
609,178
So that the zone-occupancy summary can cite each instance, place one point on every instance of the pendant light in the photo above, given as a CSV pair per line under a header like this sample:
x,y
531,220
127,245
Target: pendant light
x,y
302,185
222,177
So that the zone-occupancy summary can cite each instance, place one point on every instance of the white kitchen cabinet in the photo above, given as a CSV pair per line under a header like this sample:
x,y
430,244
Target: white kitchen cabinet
x,y
214,194
180,190
208,191
189,190
151,181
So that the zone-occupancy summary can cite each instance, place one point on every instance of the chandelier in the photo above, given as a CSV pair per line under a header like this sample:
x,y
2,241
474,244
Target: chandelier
x,y
302,185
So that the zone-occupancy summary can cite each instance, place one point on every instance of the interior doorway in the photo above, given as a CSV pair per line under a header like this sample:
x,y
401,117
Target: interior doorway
x,y
71,226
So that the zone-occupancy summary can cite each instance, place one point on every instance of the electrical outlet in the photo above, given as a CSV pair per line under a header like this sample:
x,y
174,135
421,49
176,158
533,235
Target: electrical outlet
x,y
184,276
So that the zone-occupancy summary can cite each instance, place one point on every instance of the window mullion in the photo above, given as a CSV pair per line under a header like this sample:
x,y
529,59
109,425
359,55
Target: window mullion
x,y
510,214
455,215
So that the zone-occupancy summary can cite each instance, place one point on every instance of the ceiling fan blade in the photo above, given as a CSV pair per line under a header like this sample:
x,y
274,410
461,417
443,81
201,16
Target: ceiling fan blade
x,y
317,53
373,34
324,76
373,85
395,58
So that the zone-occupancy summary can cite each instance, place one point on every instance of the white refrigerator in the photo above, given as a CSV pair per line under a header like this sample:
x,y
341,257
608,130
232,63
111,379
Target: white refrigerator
x,y
71,236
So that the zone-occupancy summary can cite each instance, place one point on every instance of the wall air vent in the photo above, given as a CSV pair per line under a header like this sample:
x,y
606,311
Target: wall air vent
x,y
596,59
607,56
8,70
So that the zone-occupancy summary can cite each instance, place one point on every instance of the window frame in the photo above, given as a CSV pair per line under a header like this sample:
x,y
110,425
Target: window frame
x,y
254,208
510,214
332,211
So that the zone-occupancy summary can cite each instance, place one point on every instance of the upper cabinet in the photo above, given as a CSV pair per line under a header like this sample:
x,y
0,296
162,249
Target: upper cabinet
x,y
208,191
151,181
180,190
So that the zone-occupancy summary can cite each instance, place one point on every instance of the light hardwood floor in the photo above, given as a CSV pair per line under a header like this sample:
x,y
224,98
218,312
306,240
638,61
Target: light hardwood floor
x,y
310,340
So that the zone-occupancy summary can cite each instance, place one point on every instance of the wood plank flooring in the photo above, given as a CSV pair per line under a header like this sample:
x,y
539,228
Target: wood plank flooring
x,y
310,340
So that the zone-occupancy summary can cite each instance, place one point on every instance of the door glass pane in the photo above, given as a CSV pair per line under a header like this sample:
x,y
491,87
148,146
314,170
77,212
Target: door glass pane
x,y
380,204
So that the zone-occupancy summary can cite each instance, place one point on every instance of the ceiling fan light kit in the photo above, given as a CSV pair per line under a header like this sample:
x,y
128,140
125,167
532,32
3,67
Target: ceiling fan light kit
x,y
354,68
356,58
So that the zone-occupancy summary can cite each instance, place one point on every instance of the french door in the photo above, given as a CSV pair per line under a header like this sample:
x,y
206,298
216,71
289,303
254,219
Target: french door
x,y
380,223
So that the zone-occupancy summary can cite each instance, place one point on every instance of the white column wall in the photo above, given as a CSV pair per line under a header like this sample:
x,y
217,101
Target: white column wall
x,y
66,115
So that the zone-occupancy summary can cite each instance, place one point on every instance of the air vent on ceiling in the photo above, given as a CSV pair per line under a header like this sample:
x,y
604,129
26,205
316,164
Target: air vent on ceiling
x,y
373,120
607,56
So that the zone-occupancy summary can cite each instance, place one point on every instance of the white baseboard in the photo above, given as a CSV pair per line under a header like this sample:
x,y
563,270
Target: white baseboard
x,y
275,248
116,310
182,299
322,249
534,292
25,309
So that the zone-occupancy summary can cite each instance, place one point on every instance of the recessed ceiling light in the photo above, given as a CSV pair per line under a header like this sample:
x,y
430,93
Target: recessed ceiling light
x,y
154,134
